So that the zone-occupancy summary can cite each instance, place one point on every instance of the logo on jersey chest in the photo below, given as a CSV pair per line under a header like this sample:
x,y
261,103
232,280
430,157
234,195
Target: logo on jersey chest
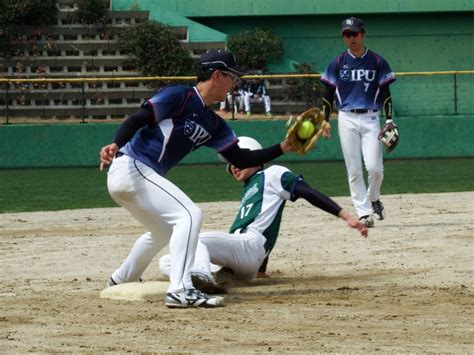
x,y
195,132
249,193
357,75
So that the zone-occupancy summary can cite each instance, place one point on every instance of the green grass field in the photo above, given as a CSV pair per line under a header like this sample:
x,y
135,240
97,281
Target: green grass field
x,y
25,190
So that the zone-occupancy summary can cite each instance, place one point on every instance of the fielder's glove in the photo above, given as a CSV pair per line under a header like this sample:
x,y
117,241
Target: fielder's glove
x,y
389,135
303,146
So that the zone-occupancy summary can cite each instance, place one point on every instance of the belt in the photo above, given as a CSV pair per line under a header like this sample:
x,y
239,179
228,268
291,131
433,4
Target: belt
x,y
359,110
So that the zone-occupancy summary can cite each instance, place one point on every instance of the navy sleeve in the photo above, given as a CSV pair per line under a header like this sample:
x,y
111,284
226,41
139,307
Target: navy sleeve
x,y
167,102
329,77
386,97
386,75
328,99
243,158
131,125
316,198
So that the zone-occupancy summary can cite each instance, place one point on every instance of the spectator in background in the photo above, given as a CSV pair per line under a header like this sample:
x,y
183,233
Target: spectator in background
x,y
234,98
223,106
256,91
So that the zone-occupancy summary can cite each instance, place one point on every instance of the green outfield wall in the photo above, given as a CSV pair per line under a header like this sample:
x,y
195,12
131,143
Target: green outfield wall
x,y
38,146
422,35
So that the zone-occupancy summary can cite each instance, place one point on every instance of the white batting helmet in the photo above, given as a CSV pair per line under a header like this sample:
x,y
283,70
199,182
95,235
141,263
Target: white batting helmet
x,y
244,143
249,143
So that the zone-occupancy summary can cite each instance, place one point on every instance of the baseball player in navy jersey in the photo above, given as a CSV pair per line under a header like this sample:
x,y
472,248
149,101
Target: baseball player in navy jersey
x,y
359,80
256,91
174,122
255,230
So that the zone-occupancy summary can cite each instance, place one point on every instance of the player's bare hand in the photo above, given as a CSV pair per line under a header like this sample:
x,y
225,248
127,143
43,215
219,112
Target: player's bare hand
x,y
364,232
286,146
107,154
354,223
327,131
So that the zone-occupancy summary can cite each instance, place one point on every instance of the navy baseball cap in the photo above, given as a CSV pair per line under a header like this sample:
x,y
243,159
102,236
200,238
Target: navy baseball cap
x,y
353,24
220,60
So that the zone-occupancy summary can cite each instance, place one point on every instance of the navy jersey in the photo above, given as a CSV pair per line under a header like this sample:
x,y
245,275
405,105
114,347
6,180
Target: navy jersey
x,y
358,80
182,123
256,88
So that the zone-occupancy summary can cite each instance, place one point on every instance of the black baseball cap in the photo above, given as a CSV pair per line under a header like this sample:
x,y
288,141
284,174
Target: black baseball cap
x,y
220,60
353,24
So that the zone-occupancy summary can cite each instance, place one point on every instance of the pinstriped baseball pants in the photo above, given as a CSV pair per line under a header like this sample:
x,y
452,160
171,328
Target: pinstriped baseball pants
x,y
358,134
168,214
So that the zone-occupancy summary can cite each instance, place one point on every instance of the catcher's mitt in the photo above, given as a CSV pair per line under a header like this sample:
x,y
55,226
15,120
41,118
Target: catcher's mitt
x,y
303,146
389,135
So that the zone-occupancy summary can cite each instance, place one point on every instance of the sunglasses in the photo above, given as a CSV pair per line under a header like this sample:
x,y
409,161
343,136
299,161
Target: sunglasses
x,y
233,76
350,34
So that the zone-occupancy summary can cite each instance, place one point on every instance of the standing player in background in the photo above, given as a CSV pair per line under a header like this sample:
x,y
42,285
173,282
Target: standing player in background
x,y
255,230
174,122
360,79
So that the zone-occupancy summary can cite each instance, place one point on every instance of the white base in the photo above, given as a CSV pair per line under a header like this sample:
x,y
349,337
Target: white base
x,y
137,291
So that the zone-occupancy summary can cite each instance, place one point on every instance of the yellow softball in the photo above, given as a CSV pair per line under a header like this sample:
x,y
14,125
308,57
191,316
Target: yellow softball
x,y
305,130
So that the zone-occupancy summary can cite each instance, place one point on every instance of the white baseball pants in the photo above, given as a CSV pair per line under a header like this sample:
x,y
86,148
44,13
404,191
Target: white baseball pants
x,y
358,134
242,253
168,214
248,100
237,101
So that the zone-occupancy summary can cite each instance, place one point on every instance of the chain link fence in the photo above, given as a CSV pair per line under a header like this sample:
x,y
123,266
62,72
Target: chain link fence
x,y
108,99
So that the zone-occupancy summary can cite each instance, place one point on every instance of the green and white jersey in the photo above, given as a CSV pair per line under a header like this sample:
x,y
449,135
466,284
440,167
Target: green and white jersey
x,y
264,197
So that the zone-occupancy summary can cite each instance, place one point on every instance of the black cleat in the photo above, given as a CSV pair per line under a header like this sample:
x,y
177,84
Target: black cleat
x,y
379,211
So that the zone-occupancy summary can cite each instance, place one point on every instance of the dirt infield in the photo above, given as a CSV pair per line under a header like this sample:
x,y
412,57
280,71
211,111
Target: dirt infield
x,y
407,288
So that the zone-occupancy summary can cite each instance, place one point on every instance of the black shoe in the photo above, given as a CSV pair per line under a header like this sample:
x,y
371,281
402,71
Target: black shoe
x,y
111,282
367,220
379,211
206,283
224,277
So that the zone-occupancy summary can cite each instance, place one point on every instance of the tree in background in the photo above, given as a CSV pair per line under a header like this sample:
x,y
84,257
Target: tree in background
x,y
15,14
309,90
92,11
155,50
255,48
